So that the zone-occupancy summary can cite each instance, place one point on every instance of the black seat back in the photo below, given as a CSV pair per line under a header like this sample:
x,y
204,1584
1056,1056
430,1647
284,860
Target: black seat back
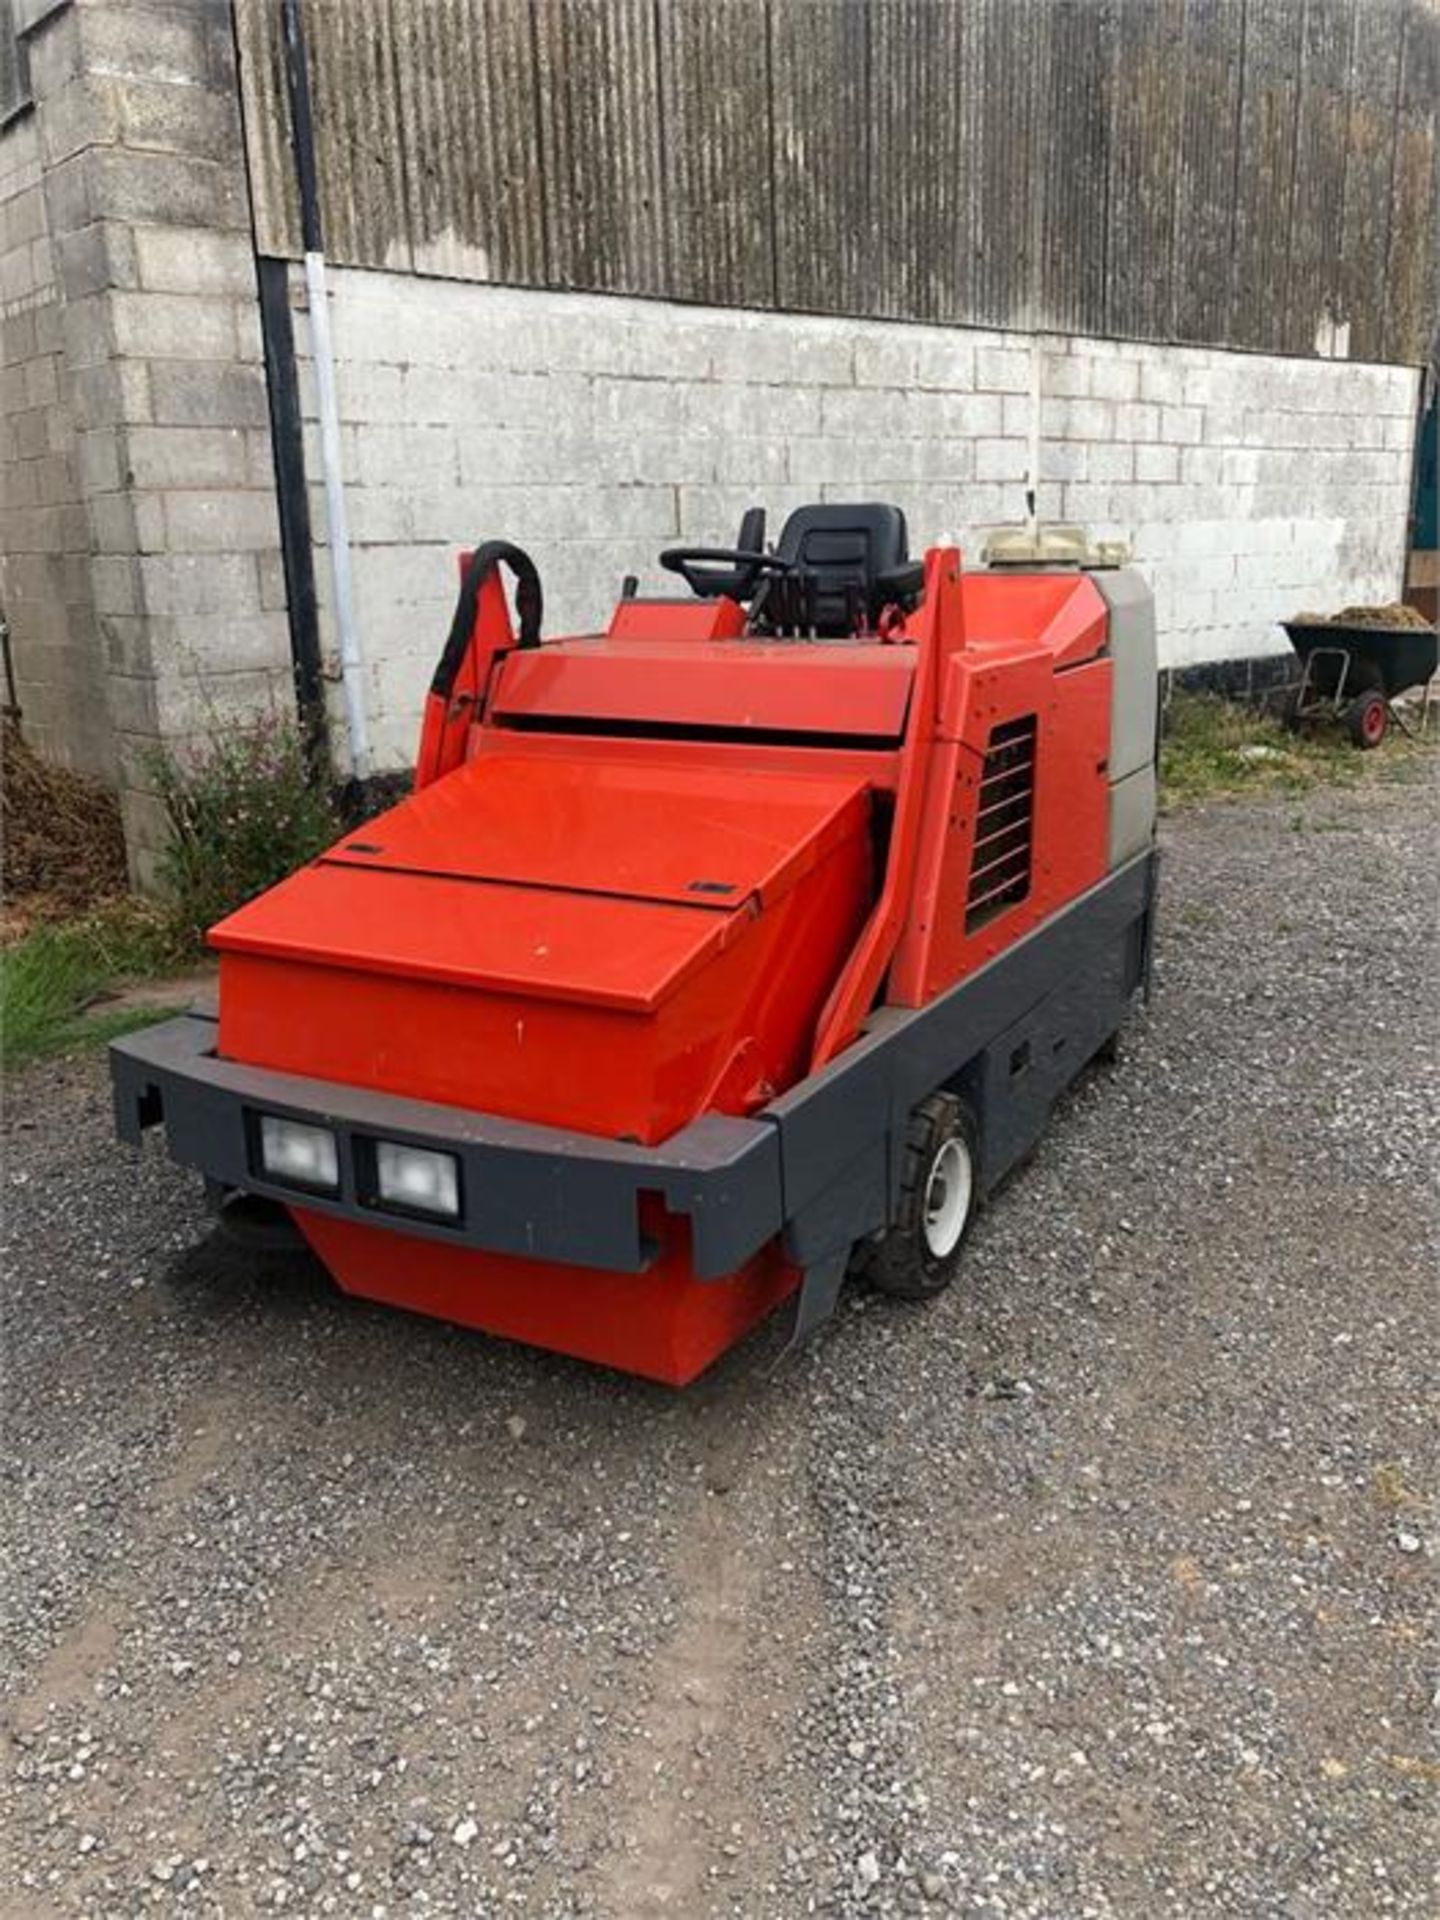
x,y
855,562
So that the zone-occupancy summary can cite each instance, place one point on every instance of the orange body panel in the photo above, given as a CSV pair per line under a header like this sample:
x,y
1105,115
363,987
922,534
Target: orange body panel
x,y
871,767
728,1035
662,1324
854,691
446,720
1062,612
1070,822
938,632
697,838
521,928
672,620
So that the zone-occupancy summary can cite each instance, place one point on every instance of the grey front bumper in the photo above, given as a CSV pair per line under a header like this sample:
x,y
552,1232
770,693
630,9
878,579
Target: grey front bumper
x,y
539,1191
821,1165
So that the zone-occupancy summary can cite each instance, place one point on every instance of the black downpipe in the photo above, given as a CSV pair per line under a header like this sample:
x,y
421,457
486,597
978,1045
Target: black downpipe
x,y
292,495
292,499
302,141
302,126
312,239
12,698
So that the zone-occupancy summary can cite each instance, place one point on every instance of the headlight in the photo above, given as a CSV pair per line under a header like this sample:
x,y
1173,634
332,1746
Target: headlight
x,y
416,1178
305,1156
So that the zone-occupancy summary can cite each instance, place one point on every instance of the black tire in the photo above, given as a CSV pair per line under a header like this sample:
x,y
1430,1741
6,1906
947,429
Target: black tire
x,y
1367,719
905,1261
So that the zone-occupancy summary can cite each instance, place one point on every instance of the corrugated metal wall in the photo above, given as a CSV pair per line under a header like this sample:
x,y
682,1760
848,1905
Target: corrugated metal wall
x,y
1228,172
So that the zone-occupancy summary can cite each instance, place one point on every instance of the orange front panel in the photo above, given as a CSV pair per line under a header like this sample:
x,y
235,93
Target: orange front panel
x,y
663,1323
728,1031
543,943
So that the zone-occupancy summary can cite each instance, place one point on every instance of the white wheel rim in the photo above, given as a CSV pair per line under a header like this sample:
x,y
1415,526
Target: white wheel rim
x,y
947,1198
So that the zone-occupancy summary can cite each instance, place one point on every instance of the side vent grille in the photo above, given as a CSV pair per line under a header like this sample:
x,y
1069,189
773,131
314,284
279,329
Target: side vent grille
x,y
1000,864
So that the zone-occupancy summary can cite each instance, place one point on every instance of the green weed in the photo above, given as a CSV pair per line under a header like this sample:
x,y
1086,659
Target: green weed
x,y
49,978
242,813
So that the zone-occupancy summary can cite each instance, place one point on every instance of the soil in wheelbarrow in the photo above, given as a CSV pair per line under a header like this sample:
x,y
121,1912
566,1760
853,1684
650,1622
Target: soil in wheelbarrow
x,y
1396,614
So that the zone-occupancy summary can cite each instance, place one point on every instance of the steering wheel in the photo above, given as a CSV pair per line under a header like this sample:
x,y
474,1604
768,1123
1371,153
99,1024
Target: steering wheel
x,y
711,571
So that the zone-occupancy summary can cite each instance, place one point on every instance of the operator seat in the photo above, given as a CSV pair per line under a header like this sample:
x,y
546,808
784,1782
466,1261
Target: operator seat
x,y
850,562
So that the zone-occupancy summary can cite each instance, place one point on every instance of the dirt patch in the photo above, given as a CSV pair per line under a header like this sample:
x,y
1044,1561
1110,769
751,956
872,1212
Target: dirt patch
x,y
683,1814
68,1677
196,989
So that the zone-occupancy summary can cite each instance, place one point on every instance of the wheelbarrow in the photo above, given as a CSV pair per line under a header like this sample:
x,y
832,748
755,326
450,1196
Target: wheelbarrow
x,y
1351,673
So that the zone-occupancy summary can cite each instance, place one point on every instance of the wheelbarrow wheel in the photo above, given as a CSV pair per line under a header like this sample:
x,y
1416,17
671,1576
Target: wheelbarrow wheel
x,y
917,1256
1367,720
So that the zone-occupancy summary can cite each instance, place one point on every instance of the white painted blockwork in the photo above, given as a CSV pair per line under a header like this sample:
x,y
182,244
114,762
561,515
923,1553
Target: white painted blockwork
x,y
594,431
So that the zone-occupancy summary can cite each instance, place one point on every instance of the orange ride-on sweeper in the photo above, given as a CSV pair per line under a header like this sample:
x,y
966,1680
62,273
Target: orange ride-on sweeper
x,y
743,945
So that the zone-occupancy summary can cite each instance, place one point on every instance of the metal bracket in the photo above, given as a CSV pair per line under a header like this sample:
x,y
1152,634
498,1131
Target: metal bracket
x,y
819,1291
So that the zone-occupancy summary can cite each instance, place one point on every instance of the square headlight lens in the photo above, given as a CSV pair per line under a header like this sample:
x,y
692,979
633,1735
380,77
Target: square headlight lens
x,y
305,1155
417,1178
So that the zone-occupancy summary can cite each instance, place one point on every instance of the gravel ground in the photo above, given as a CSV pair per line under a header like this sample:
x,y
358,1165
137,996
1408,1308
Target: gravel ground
x,y
1105,1586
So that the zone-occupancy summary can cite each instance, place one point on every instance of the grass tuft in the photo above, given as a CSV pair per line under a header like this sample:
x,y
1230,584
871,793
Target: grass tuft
x,y
55,973
1213,747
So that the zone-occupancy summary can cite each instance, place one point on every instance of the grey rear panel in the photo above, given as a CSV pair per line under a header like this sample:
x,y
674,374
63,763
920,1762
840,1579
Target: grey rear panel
x,y
1134,711
1132,815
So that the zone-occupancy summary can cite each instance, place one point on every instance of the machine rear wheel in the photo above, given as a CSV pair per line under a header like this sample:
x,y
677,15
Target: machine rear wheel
x,y
1367,720
917,1256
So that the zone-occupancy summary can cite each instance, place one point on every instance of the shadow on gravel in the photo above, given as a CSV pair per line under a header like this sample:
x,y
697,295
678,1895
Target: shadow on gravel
x,y
268,1303
215,1278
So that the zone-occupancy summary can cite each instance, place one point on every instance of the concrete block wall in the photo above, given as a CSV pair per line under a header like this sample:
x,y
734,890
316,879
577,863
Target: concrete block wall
x,y
136,136
594,431
1248,487
45,562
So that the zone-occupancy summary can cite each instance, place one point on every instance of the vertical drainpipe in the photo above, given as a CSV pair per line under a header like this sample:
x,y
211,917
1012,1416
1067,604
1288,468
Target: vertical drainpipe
x,y
352,665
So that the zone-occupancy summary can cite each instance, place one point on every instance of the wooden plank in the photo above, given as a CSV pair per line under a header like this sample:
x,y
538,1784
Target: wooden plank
x,y
968,106
1265,171
1218,171
600,134
716,159
1369,161
920,230
1072,142
472,169
14,69
1211,55
823,126
1410,308
1146,135
1007,207
358,148
1315,293
266,105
